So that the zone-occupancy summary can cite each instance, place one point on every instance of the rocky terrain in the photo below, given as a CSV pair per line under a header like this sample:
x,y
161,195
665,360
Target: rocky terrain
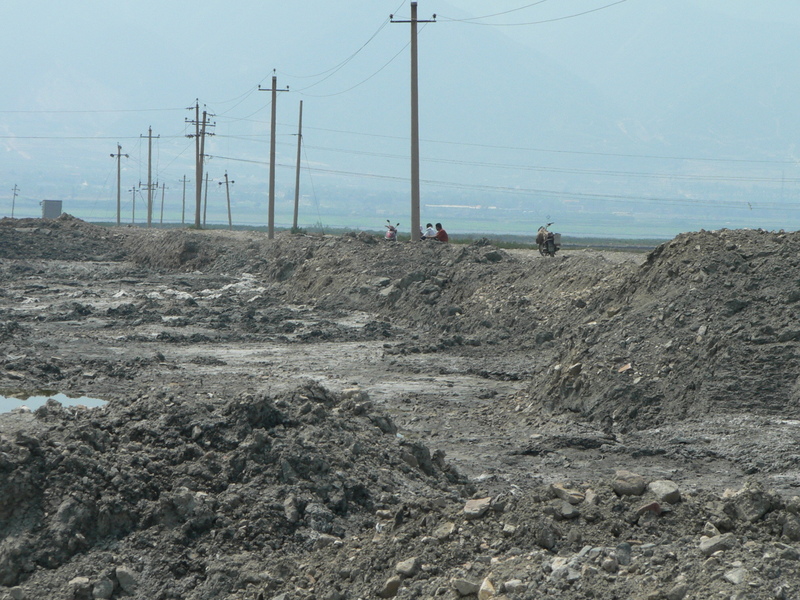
x,y
338,417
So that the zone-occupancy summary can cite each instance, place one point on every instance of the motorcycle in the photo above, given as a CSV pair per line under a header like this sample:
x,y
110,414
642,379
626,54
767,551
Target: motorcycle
x,y
391,231
549,243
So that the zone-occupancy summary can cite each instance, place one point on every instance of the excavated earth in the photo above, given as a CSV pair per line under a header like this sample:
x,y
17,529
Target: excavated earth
x,y
338,417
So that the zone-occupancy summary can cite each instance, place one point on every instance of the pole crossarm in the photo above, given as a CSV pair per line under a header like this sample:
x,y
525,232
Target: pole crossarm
x,y
200,138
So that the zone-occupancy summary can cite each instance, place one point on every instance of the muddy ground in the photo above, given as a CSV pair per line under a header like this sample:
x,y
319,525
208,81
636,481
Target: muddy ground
x,y
342,417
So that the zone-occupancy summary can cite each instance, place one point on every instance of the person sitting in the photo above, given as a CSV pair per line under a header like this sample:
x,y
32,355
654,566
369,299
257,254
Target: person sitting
x,y
429,233
441,234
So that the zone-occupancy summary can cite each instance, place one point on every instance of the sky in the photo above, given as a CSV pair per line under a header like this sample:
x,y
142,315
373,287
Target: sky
x,y
632,118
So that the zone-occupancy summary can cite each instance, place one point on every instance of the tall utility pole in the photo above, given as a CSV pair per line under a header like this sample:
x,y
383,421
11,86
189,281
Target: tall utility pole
x,y
149,175
14,199
205,202
274,90
297,172
228,195
200,137
415,233
133,205
118,156
163,187
183,202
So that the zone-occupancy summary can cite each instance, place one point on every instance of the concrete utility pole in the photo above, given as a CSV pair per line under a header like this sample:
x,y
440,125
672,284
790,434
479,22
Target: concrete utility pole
x,y
297,172
415,233
14,199
118,156
183,202
149,175
133,205
274,90
228,195
200,137
163,187
205,202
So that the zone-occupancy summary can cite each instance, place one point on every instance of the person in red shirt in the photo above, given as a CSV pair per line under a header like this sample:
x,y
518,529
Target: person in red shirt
x,y
441,234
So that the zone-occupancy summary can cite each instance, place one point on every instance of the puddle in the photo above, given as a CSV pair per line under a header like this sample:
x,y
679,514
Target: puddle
x,y
8,404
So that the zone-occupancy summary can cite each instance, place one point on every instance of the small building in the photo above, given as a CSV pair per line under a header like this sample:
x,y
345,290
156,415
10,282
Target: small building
x,y
51,209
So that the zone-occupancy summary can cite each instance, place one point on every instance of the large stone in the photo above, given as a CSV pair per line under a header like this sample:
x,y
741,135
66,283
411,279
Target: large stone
x,y
665,491
444,530
475,509
390,588
751,503
465,587
566,494
103,589
736,576
128,579
627,483
487,590
791,527
81,588
709,546
408,567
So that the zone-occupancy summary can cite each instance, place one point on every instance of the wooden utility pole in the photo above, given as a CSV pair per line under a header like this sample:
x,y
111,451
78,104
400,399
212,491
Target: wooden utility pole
x,y
183,202
200,137
297,172
15,189
271,220
149,176
118,156
228,195
415,233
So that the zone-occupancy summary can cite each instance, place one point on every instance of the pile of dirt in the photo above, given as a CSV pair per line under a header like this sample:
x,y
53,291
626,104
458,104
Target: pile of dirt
x,y
707,325
64,238
314,495
180,491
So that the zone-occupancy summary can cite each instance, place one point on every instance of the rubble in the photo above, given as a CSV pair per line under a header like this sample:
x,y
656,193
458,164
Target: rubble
x,y
331,417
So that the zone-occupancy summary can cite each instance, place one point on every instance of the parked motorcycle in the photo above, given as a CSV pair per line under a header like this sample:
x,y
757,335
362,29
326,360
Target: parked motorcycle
x,y
391,231
549,243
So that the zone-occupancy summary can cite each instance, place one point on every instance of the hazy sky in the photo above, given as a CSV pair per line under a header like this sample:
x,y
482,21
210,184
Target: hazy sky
x,y
564,109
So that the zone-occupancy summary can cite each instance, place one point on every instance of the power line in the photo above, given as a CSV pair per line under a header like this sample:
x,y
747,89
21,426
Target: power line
x,y
527,191
114,110
565,17
505,12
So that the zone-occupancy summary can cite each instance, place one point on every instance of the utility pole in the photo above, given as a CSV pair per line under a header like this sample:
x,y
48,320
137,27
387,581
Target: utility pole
x,y
200,137
118,156
163,187
415,234
149,175
133,205
205,202
274,90
297,172
228,195
14,199
183,202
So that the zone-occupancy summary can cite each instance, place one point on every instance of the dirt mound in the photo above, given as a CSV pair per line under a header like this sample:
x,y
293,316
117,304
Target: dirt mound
x,y
64,238
141,485
708,324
